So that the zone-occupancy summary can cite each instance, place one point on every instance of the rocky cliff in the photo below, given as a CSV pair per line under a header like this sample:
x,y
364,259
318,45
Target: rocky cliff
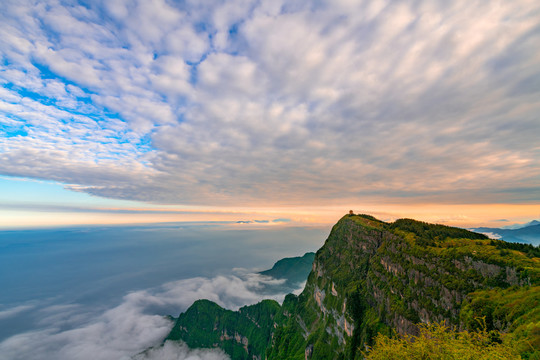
x,y
374,277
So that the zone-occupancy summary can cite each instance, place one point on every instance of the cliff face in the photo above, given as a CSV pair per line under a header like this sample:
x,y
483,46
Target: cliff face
x,y
243,334
372,277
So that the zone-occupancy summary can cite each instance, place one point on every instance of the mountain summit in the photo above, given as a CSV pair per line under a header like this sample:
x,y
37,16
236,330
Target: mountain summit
x,y
374,277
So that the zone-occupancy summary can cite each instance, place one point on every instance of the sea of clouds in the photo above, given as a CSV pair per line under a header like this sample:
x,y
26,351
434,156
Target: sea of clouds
x,y
76,332
107,292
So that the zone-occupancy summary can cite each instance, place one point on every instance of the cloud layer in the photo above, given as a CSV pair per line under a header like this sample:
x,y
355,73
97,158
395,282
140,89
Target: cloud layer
x,y
76,332
176,351
274,102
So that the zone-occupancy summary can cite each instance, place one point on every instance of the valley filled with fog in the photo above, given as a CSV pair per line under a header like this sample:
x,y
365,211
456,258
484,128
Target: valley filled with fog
x,y
105,292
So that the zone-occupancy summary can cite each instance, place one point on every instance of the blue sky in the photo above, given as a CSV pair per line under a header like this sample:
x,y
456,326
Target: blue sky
x,y
273,105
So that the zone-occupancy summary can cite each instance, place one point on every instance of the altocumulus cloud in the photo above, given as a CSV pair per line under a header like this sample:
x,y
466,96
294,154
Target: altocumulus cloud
x,y
241,101
74,332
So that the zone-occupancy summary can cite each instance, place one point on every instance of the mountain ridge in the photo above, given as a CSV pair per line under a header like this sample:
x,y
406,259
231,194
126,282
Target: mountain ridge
x,y
374,277
519,226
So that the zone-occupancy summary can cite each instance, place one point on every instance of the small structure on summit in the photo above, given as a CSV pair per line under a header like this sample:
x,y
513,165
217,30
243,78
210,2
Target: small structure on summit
x,y
351,213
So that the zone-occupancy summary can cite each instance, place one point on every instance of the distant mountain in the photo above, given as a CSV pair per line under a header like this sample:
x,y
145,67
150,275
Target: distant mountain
x,y
294,269
373,277
292,272
519,226
526,235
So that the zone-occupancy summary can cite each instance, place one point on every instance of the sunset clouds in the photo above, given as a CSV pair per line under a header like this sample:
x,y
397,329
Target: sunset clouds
x,y
273,102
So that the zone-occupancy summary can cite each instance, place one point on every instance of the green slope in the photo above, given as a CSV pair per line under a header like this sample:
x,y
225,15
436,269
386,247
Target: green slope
x,y
242,334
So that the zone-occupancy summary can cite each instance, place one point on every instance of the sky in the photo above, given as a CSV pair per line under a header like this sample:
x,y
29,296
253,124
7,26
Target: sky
x,y
154,111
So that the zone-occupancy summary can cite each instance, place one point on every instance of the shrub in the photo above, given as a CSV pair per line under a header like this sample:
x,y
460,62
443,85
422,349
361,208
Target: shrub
x,y
438,342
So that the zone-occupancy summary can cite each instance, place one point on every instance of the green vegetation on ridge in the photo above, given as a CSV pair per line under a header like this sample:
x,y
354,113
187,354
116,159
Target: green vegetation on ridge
x,y
205,323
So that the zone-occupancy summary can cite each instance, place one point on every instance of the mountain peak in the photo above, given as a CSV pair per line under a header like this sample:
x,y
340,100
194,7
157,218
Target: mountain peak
x,y
375,277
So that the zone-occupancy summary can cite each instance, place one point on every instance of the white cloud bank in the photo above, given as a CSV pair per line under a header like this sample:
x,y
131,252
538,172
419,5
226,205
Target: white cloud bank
x,y
178,351
73,332
4,314
244,102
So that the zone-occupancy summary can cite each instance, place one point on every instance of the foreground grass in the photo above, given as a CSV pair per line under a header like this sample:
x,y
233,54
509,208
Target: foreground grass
x,y
438,342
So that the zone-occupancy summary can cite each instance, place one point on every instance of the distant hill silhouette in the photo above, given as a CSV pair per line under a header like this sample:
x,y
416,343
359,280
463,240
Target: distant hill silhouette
x,y
528,235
